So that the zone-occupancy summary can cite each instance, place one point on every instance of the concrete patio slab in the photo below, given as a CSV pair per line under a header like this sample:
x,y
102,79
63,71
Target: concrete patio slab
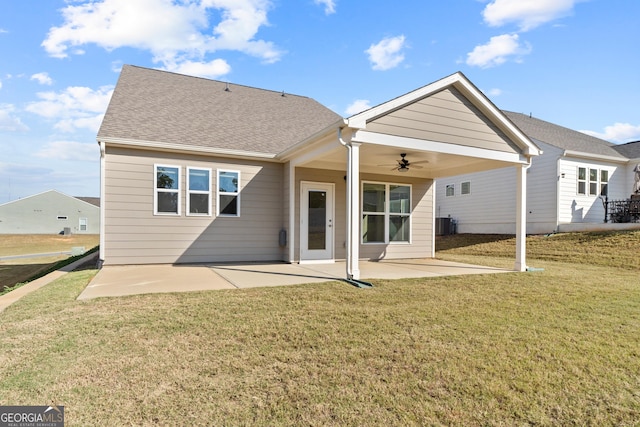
x,y
114,281
140,279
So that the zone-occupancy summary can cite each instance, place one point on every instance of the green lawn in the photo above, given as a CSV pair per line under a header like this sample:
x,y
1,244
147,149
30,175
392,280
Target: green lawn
x,y
557,347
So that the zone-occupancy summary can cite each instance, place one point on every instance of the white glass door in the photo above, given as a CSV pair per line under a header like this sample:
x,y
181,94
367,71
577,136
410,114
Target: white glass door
x,y
316,222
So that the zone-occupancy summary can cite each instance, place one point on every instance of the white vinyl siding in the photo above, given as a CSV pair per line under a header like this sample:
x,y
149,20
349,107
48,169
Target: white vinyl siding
x,y
490,206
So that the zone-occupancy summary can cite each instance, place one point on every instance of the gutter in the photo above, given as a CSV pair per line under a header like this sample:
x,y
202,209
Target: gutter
x,y
349,279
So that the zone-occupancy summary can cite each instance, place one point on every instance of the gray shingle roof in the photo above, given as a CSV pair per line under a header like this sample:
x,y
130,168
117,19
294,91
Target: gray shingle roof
x,y
630,149
160,106
561,137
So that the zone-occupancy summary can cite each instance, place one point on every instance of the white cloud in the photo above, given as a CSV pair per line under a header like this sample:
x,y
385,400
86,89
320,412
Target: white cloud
x,y
386,54
329,6
8,121
357,106
618,132
173,32
75,107
212,69
42,78
494,92
527,14
497,51
69,150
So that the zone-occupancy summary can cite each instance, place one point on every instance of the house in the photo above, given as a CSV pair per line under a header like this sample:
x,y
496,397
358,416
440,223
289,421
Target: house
x,y
196,170
51,212
566,188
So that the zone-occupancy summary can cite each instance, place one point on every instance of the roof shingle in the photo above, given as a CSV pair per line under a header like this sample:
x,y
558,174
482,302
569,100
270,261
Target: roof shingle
x,y
160,106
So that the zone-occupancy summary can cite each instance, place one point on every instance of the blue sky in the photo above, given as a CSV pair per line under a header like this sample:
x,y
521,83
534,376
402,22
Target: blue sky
x,y
575,63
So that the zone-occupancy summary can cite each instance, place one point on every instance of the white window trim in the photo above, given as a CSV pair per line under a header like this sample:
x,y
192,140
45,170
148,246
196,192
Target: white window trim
x,y
86,224
386,214
587,181
462,193
164,190
446,187
189,192
221,193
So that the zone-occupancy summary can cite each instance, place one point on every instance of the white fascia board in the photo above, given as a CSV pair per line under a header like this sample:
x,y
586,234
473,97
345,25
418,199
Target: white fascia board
x,y
462,84
437,147
167,146
589,156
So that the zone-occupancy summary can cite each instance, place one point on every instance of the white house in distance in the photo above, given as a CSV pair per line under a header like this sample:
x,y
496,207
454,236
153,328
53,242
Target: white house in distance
x,y
197,170
51,212
564,185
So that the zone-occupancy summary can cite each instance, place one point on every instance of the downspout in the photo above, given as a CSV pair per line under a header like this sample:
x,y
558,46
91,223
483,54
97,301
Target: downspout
x,y
558,185
102,146
349,279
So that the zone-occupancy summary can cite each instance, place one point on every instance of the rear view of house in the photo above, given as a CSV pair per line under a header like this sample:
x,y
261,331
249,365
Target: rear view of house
x,y
196,170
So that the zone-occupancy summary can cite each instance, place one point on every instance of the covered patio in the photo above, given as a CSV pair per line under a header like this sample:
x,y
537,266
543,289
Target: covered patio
x,y
443,129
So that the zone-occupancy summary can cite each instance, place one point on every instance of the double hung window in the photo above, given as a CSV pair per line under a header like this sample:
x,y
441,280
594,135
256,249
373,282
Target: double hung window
x,y
228,193
167,190
199,191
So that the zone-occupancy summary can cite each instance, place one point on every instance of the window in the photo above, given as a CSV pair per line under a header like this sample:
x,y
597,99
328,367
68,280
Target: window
x,y
228,193
386,213
604,183
450,190
465,187
198,191
167,190
595,183
62,217
82,226
582,181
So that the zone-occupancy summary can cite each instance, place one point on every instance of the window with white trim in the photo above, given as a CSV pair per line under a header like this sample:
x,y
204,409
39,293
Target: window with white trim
x,y
166,197
228,193
450,190
465,187
82,224
386,213
198,191
593,182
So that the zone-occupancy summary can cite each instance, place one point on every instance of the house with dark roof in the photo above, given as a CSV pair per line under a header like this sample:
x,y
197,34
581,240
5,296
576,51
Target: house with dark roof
x,y
196,170
567,185
51,212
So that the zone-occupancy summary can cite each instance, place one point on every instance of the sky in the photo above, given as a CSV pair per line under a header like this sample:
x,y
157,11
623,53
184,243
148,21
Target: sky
x,y
575,63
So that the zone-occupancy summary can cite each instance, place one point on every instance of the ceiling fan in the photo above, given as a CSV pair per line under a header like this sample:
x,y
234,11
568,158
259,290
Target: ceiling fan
x,y
404,164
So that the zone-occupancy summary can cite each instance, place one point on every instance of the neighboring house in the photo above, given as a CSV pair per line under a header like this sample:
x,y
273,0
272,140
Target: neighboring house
x,y
566,187
196,170
51,212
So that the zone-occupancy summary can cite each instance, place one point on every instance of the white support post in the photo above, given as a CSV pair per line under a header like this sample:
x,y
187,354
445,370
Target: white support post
x,y
353,211
521,218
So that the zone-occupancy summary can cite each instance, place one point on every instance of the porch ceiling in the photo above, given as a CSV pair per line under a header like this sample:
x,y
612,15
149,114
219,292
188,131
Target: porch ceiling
x,y
381,159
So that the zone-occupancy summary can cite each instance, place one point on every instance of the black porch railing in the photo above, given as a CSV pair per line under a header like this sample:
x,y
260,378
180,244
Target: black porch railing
x,y
626,210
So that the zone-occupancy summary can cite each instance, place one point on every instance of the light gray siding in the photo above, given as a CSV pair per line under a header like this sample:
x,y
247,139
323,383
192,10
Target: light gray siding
x,y
446,116
49,213
134,235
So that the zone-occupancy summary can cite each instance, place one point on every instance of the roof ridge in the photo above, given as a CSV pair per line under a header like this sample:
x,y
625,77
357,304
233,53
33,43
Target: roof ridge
x,y
216,81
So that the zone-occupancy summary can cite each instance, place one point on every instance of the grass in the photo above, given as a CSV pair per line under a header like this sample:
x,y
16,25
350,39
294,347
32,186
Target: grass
x,y
558,347
22,270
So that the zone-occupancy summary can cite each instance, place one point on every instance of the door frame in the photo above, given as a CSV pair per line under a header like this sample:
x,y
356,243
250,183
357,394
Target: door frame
x,y
328,255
